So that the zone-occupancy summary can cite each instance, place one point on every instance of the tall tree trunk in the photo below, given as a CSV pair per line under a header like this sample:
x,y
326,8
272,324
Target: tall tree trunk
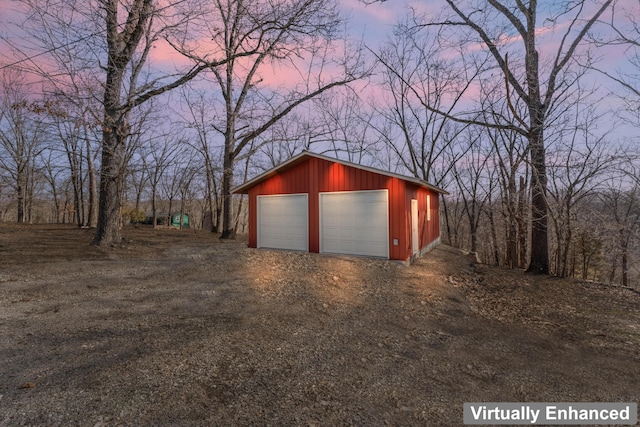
x,y
209,199
20,190
122,43
494,237
474,236
510,204
522,224
154,209
180,225
217,206
512,244
56,203
614,268
218,224
238,214
83,216
111,186
446,220
228,232
563,267
539,262
624,262
113,154
92,218
76,185
169,213
31,190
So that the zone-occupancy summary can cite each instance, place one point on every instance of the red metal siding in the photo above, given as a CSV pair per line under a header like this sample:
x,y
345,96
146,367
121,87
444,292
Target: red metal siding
x,y
429,226
434,227
428,230
292,181
397,220
410,193
316,175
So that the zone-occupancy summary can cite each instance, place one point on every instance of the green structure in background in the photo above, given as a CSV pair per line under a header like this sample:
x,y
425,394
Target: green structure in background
x,y
163,217
175,221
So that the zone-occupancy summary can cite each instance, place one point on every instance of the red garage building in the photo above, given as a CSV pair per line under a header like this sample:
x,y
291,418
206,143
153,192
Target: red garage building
x,y
319,204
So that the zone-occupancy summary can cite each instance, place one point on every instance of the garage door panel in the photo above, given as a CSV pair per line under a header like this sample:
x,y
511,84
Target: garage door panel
x,y
283,222
355,222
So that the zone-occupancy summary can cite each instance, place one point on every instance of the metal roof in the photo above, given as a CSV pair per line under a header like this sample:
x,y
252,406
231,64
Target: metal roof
x,y
295,160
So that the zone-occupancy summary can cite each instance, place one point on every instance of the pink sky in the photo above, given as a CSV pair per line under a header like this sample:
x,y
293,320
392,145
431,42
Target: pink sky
x,y
373,22
370,22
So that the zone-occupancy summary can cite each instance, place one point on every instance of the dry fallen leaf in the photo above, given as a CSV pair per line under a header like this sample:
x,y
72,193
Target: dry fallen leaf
x,y
28,385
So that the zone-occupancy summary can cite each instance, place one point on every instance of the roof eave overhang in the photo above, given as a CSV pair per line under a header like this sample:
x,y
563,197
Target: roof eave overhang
x,y
244,188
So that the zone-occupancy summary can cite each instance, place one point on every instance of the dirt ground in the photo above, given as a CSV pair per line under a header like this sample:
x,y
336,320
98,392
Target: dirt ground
x,y
177,328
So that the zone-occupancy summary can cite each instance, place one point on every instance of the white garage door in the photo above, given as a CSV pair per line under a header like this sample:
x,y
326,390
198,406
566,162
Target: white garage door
x,y
355,222
283,222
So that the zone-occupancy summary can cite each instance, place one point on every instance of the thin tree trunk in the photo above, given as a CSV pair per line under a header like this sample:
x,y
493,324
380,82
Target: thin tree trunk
x,y
83,217
169,213
446,220
76,190
20,190
92,220
218,225
228,232
238,214
494,237
154,209
522,224
210,178
563,269
624,261
56,204
614,268
180,225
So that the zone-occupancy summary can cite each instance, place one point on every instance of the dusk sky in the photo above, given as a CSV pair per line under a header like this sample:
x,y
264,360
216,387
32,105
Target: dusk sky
x,y
372,22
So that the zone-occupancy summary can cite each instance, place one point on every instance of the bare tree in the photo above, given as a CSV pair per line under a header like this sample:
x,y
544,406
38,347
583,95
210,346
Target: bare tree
x,y
157,155
336,122
270,35
22,135
510,158
625,34
54,174
109,42
124,38
577,162
67,132
419,81
346,126
621,201
298,131
187,175
470,174
197,117
502,28
176,181
588,247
